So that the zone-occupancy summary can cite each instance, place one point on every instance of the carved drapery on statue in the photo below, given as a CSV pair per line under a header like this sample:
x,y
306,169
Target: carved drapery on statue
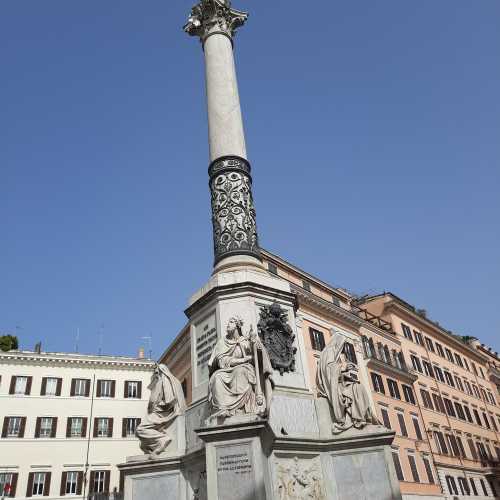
x,y
277,336
214,16
337,380
166,402
233,212
240,374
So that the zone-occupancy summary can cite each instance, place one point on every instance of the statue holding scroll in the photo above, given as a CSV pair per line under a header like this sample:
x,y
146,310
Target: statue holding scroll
x,y
337,380
240,374
166,402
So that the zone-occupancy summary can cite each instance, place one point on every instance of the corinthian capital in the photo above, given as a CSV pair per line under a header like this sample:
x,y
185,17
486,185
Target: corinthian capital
x,y
214,16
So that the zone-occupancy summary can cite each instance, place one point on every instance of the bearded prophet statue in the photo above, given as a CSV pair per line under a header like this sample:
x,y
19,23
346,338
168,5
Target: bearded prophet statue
x,y
166,402
240,374
337,381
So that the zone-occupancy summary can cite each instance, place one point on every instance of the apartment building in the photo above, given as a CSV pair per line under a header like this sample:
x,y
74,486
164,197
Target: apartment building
x,y
67,420
456,393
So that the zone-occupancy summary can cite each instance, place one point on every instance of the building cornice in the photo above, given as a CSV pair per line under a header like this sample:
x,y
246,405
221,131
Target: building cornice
x,y
24,357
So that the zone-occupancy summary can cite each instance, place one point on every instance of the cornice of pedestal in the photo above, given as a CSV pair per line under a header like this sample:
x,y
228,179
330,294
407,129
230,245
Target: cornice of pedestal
x,y
210,17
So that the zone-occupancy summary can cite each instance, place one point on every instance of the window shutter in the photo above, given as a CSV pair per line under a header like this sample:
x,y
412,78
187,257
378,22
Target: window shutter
x,y
37,426
53,430
125,389
72,390
5,426
91,482
106,481
29,489
95,427
46,485
13,484
124,427
12,384
113,386
22,427
79,482
98,389
58,386
68,427
28,386
84,427
87,388
110,428
63,483
139,389
43,389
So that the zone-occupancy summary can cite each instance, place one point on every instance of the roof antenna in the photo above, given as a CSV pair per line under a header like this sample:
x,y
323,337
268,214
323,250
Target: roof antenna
x,y
101,337
77,340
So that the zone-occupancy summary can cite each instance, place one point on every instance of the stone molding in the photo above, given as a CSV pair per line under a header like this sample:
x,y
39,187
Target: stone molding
x,y
210,17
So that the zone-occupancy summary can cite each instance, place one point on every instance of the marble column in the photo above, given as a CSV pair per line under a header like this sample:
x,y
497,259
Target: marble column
x,y
233,212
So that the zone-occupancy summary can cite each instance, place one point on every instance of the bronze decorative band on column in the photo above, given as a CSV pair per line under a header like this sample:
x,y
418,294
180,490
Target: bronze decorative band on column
x,y
233,211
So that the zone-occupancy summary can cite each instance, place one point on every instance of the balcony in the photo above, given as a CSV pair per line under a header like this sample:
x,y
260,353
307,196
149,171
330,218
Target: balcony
x,y
372,318
383,359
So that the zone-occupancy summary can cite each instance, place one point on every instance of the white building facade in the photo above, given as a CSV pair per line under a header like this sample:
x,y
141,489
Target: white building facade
x,y
67,420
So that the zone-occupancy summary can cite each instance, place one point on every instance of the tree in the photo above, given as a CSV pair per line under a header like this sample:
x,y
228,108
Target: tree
x,y
8,342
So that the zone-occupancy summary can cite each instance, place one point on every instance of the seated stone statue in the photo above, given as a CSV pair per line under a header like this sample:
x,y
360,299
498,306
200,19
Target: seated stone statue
x,y
240,374
337,380
166,402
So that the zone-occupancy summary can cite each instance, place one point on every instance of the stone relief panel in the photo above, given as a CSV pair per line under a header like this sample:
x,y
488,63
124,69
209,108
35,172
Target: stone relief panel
x,y
299,479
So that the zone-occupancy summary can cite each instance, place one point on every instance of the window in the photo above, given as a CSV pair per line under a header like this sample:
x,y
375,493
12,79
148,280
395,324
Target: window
x,y
408,394
76,427
439,373
483,393
369,347
441,443
133,389
449,378
418,337
482,450
71,483
458,381
476,416
460,411
397,466
449,407
349,353
20,385
105,389
467,413
40,484
492,419
466,365
439,349
452,486
468,388
272,268
492,486
491,398
483,486
416,363
413,467
393,388
452,442
51,386
429,344
418,432
474,368
464,486
428,369
306,286
482,373
99,481
317,339
80,387
402,424
460,446
45,427
8,483
473,485
438,403
428,470
458,360
472,449
426,398
129,425
378,383
406,331
13,427
385,418
103,427
476,391
486,421
449,355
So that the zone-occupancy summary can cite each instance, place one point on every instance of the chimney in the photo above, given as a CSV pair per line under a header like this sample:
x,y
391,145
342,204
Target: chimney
x,y
140,354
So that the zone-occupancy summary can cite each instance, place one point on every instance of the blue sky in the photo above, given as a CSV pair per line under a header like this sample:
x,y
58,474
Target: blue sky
x,y
373,130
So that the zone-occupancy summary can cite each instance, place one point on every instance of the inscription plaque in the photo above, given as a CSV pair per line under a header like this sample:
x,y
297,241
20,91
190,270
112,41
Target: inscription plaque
x,y
206,338
235,472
